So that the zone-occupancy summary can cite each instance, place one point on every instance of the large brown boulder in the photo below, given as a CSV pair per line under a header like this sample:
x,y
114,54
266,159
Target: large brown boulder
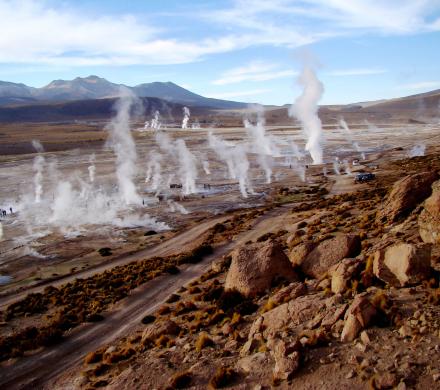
x,y
405,195
328,253
429,219
254,268
403,264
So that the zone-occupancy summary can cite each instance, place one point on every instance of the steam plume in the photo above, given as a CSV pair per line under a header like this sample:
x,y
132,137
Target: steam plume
x,y
38,177
305,109
186,114
122,143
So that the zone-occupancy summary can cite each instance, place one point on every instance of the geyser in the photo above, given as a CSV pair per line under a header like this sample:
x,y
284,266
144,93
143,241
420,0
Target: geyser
x,y
186,114
305,109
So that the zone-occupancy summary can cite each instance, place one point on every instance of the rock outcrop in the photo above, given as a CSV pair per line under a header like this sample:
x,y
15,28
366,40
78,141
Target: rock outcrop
x,y
359,315
316,262
405,195
403,264
254,268
429,219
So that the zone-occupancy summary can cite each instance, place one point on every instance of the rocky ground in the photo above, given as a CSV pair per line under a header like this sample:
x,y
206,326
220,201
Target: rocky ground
x,y
346,296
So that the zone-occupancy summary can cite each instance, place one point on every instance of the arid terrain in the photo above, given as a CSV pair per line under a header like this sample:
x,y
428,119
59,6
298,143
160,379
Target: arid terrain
x,y
300,279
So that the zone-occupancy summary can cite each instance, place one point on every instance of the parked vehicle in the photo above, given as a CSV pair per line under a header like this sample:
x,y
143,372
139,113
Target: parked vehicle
x,y
364,177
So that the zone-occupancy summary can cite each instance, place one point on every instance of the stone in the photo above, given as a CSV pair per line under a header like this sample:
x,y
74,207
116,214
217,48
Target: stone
x,y
403,264
359,315
256,362
299,253
385,381
365,338
287,359
405,331
157,329
429,218
292,291
342,273
290,314
329,253
255,267
405,195
350,374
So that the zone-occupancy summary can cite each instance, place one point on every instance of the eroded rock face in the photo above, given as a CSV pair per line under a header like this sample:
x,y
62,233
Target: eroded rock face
x,y
429,219
405,195
254,267
403,264
330,252
359,315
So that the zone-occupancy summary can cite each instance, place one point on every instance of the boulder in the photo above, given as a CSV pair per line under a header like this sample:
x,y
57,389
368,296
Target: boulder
x,y
405,195
157,329
300,252
254,363
342,273
330,252
359,315
403,264
254,268
287,359
429,219
294,314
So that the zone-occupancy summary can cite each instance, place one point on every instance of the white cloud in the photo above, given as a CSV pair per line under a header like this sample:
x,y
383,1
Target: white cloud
x,y
236,94
420,85
35,32
255,71
357,72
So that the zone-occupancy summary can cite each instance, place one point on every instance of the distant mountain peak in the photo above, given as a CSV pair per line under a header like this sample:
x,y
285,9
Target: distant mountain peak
x,y
95,87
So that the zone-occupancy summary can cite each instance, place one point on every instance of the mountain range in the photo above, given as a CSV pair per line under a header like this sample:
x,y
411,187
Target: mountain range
x,y
94,87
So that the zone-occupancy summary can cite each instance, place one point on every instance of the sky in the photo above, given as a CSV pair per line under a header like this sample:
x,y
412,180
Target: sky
x,y
243,50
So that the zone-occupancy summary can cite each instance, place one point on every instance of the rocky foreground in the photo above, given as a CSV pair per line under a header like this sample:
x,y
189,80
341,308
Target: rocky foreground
x,y
348,298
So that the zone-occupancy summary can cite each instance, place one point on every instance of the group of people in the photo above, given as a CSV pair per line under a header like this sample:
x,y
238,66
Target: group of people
x,y
3,212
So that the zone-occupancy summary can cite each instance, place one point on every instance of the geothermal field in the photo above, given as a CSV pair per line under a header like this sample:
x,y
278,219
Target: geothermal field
x,y
254,247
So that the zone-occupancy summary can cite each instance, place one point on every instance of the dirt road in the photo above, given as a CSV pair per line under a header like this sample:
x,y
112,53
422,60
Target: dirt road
x,y
37,371
179,242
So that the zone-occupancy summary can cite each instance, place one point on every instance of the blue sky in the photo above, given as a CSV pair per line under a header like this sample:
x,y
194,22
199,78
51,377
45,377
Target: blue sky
x,y
244,50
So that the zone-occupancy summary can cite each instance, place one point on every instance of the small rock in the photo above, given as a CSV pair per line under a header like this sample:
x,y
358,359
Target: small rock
x,y
436,377
365,338
385,381
351,374
255,362
405,331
